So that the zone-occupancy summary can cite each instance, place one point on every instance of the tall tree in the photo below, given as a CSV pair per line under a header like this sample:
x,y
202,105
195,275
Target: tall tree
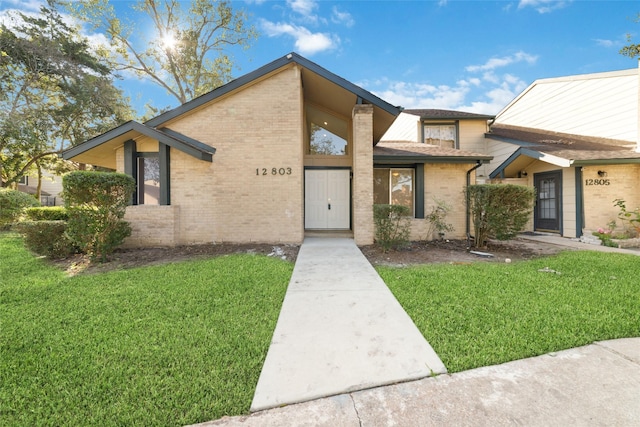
x,y
631,50
188,53
54,93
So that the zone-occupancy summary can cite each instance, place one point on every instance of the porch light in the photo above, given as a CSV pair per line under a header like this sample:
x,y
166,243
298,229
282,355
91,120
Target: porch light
x,y
602,173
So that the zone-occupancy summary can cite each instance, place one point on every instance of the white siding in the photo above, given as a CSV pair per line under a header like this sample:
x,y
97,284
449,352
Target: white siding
x,y
600,105
406,127
500,152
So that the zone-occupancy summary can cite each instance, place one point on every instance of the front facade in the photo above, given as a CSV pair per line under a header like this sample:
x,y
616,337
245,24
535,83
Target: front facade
x,y
575,140
287,149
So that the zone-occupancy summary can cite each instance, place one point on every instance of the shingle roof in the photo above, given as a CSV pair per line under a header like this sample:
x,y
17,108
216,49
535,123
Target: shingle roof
x,y
570,147
426,114
417,151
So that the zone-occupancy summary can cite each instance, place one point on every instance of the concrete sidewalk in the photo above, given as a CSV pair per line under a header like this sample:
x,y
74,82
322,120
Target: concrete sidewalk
x,y
340,329
598,384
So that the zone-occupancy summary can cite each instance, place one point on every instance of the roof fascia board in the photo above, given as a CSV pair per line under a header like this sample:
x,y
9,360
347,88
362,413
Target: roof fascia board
x,y
188,141
292,58
100,139
133,126
605,162
429,159
534,154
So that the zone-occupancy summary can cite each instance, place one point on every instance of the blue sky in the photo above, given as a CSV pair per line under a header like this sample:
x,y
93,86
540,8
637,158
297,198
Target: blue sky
x,y
461,55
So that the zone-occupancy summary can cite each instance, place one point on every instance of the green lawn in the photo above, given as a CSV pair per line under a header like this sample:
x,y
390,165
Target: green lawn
x,y
489,313
184,343
164,345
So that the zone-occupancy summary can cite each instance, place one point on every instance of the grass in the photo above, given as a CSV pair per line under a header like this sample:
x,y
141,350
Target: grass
x,y
164,345
489,313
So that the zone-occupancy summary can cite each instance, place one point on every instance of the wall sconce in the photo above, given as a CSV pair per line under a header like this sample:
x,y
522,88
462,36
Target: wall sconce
x,y
523,173
602,174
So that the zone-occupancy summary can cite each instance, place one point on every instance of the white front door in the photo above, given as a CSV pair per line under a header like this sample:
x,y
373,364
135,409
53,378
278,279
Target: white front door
x,y
327,199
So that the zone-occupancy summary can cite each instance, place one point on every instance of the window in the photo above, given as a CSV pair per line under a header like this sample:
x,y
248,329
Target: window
x,y
327,133
440,135
24,180
394,186
148,179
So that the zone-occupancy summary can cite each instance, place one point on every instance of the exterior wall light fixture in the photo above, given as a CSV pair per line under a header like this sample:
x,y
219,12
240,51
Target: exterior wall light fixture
x,y
602,173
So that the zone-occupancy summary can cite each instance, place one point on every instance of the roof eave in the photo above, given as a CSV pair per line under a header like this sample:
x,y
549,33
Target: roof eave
x,y
390,159
273,66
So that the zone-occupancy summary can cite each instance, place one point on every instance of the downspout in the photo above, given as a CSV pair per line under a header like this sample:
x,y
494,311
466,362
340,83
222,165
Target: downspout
x,y
468,212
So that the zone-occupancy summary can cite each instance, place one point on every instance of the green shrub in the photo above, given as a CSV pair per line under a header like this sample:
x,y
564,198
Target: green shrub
x,y
437,219
47,213
499,210
96,203
46,238
392,225
12,205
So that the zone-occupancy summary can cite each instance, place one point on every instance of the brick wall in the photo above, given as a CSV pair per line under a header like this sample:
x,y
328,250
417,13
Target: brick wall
x,y
599,208
363,229
444,182
230,200
152,226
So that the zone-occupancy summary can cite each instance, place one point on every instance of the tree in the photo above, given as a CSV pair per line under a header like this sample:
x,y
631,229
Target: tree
x,y
187,56
631,50
54,93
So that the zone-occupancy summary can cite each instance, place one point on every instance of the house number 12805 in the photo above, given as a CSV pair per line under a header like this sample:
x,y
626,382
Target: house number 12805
x,y
273,171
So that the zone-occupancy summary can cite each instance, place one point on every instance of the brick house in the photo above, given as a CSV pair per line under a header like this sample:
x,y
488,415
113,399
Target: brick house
x,y
287,149
575,139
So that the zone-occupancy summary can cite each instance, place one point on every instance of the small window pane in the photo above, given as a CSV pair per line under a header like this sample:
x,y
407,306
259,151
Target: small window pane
x,y
393,186
440,135
148,181
402,188
325,143
381,186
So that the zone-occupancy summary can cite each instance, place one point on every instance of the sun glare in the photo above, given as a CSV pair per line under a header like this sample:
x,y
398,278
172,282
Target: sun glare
x,y
169,41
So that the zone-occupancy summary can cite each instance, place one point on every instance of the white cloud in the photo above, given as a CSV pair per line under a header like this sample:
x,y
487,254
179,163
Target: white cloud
x,y
340,17
604,43
306,42
494,63
421,95
303,7
486,95
544,6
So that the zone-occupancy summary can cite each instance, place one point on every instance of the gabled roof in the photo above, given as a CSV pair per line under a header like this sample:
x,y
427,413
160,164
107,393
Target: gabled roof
x,y
603,105
99,150
415,152
433,114
560,149
320,87
340,95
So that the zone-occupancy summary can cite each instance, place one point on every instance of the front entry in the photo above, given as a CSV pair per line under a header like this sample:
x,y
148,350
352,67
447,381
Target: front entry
x,y
327,199
547,216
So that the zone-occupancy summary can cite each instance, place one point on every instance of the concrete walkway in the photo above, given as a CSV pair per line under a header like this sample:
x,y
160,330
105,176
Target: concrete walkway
x,y
340,329
598,384
576,244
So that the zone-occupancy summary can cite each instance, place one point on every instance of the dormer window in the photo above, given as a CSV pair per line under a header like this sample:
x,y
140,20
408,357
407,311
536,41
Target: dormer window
x,y
440,135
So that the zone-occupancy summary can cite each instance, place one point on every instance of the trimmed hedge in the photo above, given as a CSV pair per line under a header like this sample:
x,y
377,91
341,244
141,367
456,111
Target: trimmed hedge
x,y
47,213
12,205
499,210
46,238
96,203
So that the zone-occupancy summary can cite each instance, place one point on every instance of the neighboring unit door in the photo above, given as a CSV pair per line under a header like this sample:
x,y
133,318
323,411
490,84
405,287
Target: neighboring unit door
x,y
327,199
547,214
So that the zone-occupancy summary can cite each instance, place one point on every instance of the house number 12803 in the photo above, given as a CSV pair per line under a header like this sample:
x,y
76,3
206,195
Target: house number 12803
x,y
273,171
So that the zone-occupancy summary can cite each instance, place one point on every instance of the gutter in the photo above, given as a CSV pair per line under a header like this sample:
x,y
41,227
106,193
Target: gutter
x,y
468,210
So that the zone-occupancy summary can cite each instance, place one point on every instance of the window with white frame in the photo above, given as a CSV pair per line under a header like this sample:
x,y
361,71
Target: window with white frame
x,y
394,186
443,135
